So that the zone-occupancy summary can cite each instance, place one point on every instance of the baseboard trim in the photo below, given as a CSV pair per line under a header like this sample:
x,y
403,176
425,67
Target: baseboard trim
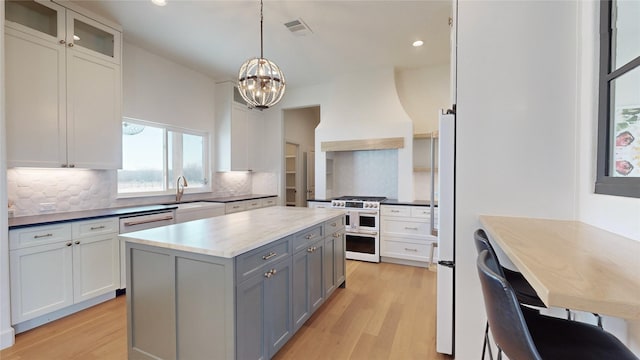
x,y
7,338
424,264
43,319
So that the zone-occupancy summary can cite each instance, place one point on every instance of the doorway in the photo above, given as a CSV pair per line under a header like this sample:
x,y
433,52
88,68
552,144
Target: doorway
x,y
299,151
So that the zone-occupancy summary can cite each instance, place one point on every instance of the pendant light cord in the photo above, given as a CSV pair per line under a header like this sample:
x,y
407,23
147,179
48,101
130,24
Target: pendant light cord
x,y
261,41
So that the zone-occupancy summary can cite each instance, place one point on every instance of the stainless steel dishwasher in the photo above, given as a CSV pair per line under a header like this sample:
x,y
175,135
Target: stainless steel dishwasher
x,y
131,223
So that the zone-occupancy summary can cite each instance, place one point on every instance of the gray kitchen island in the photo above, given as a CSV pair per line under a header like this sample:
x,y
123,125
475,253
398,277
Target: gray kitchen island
x,y
231,287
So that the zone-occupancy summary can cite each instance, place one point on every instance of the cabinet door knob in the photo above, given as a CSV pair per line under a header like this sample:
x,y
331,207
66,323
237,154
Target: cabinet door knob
x,y
68,244
62,42
71,166
77,242
70,44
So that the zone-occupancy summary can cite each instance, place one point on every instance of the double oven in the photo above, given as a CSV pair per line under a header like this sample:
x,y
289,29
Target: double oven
x,y
362,230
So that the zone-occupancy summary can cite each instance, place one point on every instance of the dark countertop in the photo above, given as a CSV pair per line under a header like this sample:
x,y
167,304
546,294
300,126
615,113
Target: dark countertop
x,y
229,199
407,203
46,219
319,200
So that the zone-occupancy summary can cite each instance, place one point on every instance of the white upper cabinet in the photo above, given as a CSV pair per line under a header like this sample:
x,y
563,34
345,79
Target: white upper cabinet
x,y
239,132
63,88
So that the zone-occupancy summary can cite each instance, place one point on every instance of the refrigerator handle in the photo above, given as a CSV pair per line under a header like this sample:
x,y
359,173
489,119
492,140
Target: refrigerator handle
x,y
434,231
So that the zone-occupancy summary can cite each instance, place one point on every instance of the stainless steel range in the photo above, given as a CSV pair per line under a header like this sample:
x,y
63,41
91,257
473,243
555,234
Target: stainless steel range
x,y
362,234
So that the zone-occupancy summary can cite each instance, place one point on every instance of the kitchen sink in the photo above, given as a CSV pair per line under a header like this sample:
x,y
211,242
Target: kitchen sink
x,y
198,210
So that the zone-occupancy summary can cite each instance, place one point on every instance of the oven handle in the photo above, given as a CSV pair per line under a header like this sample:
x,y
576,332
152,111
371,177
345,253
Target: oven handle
x,y
374,233
366,213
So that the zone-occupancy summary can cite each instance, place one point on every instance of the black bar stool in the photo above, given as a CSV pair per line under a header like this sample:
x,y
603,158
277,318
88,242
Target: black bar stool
x,y
524,334
523,290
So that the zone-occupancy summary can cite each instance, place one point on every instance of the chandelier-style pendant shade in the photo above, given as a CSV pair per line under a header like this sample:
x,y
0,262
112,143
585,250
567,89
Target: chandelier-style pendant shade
x,y
260,81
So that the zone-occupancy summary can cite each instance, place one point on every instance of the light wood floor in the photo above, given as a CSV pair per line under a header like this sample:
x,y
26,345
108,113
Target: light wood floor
x,y
386,311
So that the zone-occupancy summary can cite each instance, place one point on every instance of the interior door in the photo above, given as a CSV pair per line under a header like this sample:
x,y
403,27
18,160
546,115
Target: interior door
x,y
311,175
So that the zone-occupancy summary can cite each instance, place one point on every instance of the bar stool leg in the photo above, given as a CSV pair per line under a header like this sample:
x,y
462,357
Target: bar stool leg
x,y
487,343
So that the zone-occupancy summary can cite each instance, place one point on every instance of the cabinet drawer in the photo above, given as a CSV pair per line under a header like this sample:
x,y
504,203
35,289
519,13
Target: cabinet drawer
x,y
94,227
254,204
423,212
39,235
235,207
334,225
406,250
406,228
253,262
302,239
392,210
269,202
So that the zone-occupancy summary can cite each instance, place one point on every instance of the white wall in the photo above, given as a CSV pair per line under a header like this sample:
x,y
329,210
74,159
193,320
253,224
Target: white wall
x,y
423,92
516,146
6,331
616,214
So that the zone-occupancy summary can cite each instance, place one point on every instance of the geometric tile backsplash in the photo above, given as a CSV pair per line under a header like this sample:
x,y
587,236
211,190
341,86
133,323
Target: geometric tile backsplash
x,y
40,191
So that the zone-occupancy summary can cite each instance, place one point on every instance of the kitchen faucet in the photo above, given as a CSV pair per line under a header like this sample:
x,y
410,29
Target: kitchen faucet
x,y
180,187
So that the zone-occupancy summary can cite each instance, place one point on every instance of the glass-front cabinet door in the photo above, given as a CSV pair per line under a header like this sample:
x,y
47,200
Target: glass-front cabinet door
x,y
51,21
39,18
92,37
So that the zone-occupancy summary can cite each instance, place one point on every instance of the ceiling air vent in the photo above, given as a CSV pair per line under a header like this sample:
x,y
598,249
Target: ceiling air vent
x,y
298,27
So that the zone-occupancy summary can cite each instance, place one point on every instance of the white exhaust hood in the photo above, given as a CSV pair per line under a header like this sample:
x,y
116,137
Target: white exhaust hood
x,y
364,112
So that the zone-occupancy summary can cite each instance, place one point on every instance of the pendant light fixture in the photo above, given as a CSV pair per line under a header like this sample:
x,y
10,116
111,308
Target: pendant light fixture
x,y
260,81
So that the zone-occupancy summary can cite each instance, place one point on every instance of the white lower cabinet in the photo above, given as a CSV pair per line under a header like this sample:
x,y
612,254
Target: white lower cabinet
x,y
405,234
55,266
244,205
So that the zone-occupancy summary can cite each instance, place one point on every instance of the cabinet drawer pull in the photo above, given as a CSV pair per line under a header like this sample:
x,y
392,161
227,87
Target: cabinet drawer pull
x,y
337,235
410,228
97,227
269,255
42,236
334,224
312,249
408,249
236,206
309,236
395,211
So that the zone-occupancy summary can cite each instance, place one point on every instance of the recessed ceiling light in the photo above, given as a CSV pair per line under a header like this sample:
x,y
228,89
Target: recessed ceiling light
x,y
159,2
418,43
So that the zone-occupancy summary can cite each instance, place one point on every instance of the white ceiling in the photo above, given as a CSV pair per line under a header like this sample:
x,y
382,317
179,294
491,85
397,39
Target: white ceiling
x,y
215,37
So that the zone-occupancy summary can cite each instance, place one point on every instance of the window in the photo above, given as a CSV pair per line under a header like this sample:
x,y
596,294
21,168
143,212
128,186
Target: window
x,y
619,99
155,155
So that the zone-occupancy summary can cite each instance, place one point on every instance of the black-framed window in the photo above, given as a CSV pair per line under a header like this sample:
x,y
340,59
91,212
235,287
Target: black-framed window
x,y
618,171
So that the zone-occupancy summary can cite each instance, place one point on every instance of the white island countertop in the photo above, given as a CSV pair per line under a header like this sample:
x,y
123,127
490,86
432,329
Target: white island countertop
x,y
231,235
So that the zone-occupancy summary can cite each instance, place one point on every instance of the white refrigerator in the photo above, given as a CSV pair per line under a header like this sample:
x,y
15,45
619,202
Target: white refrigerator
x,y
446,147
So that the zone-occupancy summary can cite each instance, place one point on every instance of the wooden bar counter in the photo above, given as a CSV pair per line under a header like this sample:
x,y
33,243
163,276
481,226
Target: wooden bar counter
x,y
571,264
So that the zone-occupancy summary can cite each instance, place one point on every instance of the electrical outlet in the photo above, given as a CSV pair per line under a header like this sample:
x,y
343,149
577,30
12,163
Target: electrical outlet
x,y
47,207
